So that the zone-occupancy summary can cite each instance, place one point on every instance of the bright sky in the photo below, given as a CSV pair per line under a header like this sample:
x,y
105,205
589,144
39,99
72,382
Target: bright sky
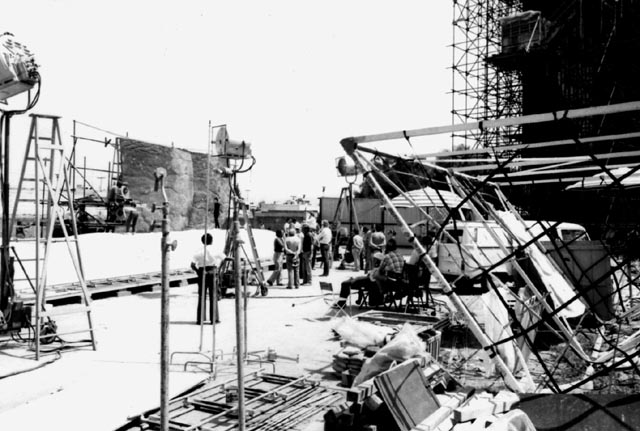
x,y
291,77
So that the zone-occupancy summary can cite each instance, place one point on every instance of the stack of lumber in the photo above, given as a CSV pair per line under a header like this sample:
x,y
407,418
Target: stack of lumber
x,y
483,411
419,395
348,362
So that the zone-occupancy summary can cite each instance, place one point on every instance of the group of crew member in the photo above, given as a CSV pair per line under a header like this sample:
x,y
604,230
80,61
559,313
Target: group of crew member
x,y
297,245
383,265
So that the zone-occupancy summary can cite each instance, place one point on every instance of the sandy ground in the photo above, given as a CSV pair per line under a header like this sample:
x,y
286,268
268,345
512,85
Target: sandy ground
x,y
116,254
99,390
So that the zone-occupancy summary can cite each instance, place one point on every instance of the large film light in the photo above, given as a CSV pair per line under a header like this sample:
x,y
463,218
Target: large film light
x,y
225,147
18,70
346,167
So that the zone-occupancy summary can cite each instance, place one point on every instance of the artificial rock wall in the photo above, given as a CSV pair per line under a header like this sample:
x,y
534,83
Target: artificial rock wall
x,y
186,184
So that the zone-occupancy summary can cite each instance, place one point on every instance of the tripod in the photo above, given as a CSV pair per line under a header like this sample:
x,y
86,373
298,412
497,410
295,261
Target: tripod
x,y
234,247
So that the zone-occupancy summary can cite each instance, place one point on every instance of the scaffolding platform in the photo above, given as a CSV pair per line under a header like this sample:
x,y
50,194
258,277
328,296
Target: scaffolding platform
x,y
68,293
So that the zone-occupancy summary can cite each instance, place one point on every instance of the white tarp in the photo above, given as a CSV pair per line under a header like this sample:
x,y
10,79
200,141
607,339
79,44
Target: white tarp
x,y
428,197
560,289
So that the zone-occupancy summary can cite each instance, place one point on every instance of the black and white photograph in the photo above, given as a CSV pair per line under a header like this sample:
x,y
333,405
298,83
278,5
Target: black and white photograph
x,y
320,216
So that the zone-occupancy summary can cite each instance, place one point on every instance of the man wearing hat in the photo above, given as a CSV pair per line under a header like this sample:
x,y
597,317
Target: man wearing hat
x,y
363,283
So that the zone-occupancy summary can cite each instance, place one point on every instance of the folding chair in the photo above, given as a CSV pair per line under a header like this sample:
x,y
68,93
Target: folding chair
x,y
413,278
393,289
331,299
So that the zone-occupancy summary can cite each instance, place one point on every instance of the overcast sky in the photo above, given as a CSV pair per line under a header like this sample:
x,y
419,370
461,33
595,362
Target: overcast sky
x,y
291,77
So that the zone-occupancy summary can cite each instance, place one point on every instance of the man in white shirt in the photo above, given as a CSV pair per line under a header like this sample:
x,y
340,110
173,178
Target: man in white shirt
x,y
205,263
356,248
324,239
292,248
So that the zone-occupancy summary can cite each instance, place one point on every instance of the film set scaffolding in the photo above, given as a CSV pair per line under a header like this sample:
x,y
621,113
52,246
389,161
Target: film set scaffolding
x,y
95,169
42,186
546,295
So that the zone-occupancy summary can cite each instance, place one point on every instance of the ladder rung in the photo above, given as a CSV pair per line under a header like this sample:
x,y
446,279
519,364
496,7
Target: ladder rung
x,y
50,147
65,310
44,138
44,116
71,238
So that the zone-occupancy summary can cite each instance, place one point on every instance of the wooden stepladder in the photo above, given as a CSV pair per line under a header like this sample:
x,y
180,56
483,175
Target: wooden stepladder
x,y
44,185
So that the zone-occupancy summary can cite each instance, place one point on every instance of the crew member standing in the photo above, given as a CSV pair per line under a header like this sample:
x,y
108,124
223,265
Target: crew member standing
x,y
357,244
324,239
305,258
216,212
120,207
292,249
278,250
205,263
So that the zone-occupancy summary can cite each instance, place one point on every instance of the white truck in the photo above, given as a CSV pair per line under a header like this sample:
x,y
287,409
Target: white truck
x,y
583,261
482,250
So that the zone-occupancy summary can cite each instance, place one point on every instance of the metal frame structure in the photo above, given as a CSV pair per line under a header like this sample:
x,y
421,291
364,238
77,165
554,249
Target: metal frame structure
x,y
480,90
275,402
473,191
114,168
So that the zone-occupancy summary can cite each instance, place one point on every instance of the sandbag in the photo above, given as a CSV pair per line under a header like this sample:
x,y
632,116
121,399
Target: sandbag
x,y
361,334
405,345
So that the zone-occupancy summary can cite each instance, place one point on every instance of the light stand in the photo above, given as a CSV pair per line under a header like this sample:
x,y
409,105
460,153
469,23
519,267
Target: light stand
x,y
238,153
210,361
240,310
6,285
160,174
20,74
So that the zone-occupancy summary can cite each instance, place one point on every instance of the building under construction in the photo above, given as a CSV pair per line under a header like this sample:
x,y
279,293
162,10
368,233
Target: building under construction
x,y
515,58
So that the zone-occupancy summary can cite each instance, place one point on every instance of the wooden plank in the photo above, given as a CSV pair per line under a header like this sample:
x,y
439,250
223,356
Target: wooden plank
x,y
407,395
103,286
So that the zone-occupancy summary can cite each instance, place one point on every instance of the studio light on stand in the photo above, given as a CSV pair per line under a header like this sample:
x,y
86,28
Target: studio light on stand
x,y
18,75
347,169
160,175
237,154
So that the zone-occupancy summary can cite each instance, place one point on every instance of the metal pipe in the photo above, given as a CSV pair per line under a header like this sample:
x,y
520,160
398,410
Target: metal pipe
x,y
34,139
503,122
239,315
215,318
84,177
245,282
203,278
164,318
5,204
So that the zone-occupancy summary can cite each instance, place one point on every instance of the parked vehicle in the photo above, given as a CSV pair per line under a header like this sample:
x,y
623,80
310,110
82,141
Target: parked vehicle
x,y
482,251
466,249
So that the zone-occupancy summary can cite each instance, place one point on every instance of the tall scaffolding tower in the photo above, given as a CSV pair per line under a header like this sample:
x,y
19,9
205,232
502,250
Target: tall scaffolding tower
x,y
481,90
